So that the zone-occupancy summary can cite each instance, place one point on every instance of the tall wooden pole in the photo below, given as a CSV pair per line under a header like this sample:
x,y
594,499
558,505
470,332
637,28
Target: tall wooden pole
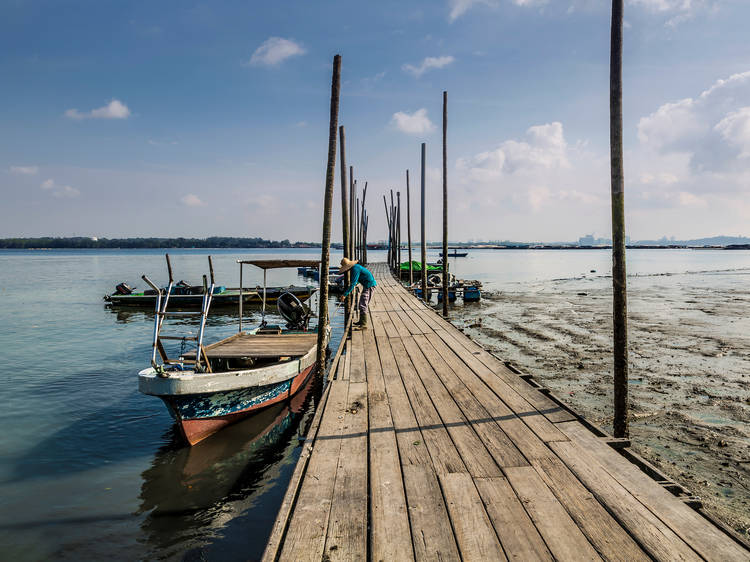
x,y
619,279
364,239
408,229
424,239
388,220
357,248
327,212
393,231
345,215
352,191
446,275
398,232
362,248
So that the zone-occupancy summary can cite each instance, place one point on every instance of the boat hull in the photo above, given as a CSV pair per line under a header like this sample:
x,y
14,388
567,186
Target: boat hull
x,y
228,298
201,415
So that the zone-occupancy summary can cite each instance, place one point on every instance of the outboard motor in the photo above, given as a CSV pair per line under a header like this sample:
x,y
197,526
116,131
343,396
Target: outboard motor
x,y
294,312
123,289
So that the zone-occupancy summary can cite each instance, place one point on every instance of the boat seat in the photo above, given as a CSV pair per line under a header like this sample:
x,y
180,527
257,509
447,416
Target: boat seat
x,y
260,346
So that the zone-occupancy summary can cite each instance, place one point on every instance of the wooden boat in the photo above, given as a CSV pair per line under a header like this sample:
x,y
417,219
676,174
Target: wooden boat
x,y
223,297
215,385
455,254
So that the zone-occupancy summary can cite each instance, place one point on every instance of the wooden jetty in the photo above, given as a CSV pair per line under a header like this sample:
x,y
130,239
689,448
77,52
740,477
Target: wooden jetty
x,y
426,446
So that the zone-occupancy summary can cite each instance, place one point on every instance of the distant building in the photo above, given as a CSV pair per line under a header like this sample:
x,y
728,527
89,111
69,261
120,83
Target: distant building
x,y
587,240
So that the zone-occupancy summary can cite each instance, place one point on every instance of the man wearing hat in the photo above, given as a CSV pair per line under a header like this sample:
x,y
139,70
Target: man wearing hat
x,y
359,275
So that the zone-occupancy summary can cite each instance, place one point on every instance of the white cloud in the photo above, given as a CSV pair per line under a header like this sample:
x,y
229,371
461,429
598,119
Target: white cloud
x,y
113,110
191,200
416,123
274,51
300,124
677,11
544,148
460,7
712,130
427,64
59,191
24,170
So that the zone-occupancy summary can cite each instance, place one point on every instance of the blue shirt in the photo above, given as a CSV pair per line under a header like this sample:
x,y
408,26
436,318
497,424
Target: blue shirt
x,y
360,275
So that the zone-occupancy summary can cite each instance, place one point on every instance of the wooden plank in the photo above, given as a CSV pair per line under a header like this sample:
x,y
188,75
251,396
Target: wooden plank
x,y
357,367
276,537
347,530
390,534
517,533
539,400
305,538
411,442
658,539
561,534
430,525
475,535
475,456
442,450
494,438
347,362
540,424
704,537
603,531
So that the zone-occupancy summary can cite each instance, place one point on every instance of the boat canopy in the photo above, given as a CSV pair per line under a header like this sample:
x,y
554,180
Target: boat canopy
x,y
277,264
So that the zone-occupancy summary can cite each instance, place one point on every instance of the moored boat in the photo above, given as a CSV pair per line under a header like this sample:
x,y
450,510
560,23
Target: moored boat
x,y
192,297
212,386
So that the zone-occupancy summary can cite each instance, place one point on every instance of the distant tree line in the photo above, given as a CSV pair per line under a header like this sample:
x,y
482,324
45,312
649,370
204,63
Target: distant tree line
x,y
211,242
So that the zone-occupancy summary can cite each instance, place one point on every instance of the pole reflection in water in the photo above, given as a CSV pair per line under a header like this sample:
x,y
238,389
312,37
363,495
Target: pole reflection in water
x,y
190,495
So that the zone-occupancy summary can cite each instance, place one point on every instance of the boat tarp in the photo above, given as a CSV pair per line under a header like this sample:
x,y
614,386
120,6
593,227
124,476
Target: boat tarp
x,y
417,266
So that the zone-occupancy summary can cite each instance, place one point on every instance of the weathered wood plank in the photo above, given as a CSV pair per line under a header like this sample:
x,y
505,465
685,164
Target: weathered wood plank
x,y
494,438
517,533
477,459
560,532
390,533
430,525
347,529
658,539
305,538
475,535
357,367
709,541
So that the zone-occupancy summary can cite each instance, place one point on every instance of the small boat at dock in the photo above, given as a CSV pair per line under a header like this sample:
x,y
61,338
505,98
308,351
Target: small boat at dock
x,y
455,254
190,297
211,386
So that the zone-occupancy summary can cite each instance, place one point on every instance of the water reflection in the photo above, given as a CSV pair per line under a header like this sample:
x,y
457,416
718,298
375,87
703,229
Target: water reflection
x,y
191,493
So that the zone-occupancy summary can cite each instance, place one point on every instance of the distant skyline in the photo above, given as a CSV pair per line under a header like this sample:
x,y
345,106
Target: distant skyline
x,y
192,119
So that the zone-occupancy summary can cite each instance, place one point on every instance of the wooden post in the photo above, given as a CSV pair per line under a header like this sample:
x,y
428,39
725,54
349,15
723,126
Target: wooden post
x,y
364,239
388,220
398,233
357,248
408,228
345,216
446,275
393,231
619,278
424,240
362,248
353,204
352,191
327,211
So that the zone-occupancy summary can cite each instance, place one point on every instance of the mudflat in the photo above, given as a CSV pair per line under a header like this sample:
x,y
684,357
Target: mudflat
x,y
689,367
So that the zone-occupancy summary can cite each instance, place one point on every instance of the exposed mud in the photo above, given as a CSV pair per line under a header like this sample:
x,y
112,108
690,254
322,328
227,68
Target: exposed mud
x,y
689,342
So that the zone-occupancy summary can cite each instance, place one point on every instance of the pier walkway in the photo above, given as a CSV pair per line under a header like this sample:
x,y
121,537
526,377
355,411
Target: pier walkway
x,y
426,446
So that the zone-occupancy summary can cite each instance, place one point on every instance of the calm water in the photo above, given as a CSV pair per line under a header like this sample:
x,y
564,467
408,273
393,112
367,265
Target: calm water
x,y
90,468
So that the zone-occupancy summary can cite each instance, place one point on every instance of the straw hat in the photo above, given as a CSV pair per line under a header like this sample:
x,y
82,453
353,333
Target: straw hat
x,y
346,265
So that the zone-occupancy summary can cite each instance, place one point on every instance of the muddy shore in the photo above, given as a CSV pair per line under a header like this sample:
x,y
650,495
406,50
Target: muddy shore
x,y
689,343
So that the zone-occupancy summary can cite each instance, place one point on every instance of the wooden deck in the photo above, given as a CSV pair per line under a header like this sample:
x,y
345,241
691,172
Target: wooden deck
x,y
426,446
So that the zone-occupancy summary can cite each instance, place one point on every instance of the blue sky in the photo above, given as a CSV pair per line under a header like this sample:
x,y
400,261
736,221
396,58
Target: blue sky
x,y
194,119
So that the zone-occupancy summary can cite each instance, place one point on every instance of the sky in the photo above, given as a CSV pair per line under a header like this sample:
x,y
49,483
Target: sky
x,y
181,118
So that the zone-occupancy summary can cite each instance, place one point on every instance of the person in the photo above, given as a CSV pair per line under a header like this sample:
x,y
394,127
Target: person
x,y
362,276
